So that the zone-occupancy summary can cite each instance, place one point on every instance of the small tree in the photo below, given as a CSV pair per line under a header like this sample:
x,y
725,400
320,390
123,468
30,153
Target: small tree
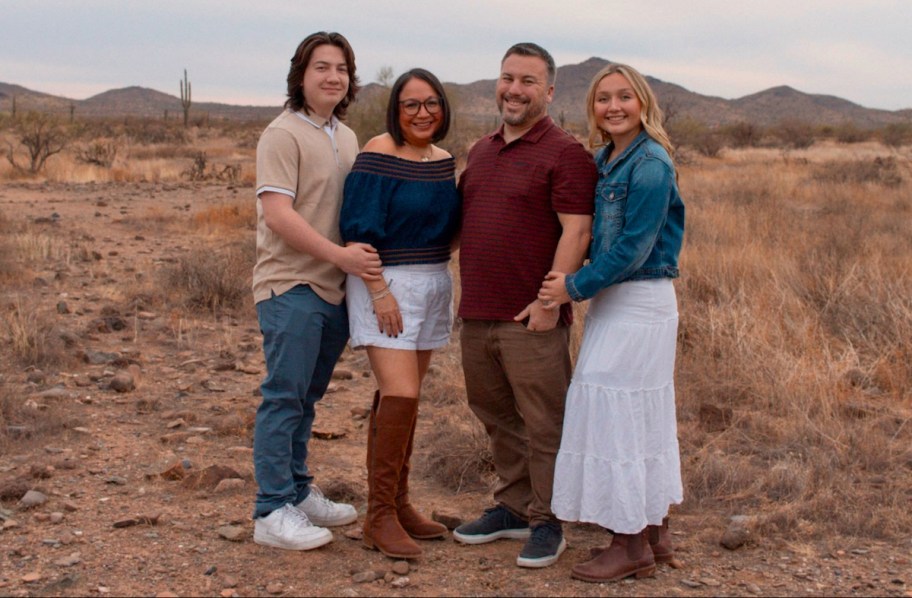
x,y
386,76
185,97
41,135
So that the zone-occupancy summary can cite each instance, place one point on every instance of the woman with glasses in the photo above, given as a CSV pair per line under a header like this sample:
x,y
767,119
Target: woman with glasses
x,y
401,198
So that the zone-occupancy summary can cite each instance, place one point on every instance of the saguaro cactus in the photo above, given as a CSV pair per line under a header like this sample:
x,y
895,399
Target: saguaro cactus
x,y
185,97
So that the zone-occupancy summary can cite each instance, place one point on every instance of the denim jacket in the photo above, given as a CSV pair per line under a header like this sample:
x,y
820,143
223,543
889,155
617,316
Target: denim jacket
x,y
639,220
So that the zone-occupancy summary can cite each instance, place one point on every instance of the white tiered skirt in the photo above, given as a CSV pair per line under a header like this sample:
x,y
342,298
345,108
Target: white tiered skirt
x,y
619,464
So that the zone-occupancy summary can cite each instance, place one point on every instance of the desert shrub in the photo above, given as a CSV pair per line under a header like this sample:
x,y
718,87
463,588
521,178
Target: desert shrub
x,y
897,134
879,171
197,169
696,135
850,133
212,279
741,134
9,265
794,134
24,421
200,169
98,152
458,454
33,339
147,131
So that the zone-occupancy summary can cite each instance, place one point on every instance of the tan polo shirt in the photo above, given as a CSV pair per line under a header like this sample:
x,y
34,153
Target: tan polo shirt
x,y
298,157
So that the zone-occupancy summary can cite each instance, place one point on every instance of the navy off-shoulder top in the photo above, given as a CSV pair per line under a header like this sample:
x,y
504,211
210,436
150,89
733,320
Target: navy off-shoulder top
x,y
408,210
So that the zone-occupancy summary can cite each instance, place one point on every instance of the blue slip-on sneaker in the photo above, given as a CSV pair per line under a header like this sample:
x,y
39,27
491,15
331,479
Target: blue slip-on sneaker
x,y
544,546
496,523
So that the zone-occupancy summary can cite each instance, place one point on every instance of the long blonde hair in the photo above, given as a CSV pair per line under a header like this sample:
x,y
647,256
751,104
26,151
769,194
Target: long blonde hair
x,y
651,116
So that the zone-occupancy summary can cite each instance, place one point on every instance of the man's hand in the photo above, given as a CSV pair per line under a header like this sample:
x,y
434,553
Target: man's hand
x,y
360,259
540,319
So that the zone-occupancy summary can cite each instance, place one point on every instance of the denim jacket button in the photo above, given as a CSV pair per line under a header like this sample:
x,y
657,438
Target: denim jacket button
x,y
611,195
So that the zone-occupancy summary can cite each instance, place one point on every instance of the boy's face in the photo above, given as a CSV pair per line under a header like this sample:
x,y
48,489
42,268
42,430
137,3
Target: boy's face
x,y
325,79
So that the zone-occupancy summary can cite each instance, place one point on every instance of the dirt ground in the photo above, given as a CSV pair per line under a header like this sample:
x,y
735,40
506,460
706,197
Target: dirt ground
x,y
113,524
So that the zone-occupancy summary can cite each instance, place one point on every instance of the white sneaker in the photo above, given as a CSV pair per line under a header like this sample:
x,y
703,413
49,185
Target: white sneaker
x,y
290,529
323,511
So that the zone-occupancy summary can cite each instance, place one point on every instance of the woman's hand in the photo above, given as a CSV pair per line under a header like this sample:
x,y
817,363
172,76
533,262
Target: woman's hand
x,y
553,292
389,319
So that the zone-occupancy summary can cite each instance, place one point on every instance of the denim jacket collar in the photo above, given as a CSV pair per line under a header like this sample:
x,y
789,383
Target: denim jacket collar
x,y
605,166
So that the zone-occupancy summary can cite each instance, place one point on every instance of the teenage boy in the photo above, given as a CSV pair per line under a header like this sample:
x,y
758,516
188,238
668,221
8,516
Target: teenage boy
x,y
303,157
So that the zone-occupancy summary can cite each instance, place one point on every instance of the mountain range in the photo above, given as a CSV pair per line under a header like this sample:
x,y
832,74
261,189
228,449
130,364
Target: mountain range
x,y
475,102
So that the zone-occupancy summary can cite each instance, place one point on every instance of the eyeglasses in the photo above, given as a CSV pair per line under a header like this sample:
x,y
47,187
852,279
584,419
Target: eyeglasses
x,y
413,107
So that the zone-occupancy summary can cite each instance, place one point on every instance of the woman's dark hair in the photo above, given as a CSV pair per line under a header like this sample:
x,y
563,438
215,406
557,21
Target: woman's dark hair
x,y
392,109
296,100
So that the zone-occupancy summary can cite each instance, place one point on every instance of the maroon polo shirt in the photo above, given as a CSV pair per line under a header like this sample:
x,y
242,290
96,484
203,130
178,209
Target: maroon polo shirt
x,y
511,196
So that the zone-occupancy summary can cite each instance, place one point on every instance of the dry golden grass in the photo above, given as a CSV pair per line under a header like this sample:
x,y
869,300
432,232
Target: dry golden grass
x,y
31,335
459,457
25,422
212,279
149,151
794,368
226,217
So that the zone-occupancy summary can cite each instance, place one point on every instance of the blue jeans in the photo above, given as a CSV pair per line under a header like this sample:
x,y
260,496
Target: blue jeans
x,y
303,337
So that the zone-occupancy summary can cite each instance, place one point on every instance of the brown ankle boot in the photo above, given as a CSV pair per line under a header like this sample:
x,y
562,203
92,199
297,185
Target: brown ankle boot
x,y
660,542
413,522
388,438
628,554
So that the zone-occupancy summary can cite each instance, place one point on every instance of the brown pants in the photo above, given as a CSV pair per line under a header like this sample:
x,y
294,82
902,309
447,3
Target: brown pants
x,y
516,381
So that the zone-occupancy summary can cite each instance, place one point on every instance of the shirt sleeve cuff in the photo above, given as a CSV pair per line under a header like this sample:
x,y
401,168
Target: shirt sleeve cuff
x,y
267,188
571,288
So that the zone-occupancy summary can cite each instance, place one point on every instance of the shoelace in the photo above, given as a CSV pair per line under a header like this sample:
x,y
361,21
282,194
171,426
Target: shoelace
x,y
299,515
318,496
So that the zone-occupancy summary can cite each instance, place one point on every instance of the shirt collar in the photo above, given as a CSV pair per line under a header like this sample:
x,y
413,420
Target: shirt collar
x,y
534,134
318,122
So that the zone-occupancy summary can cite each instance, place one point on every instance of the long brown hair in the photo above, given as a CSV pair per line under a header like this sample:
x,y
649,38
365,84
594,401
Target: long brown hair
x,y
296,100
651,116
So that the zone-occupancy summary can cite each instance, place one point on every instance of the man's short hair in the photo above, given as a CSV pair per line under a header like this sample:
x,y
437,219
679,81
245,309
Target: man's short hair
x,y
296,100
530,49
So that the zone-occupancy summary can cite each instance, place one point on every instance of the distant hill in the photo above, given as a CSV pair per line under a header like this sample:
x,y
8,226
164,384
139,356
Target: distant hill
x,y
475,103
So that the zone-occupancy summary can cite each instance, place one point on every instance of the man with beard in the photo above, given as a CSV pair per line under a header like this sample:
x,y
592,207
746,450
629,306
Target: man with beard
x,y
527,207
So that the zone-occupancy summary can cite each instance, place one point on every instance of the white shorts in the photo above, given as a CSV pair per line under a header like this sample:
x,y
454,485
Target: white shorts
x,y
425,296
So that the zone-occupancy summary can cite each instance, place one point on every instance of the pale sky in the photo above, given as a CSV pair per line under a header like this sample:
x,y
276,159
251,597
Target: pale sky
x,y
238,52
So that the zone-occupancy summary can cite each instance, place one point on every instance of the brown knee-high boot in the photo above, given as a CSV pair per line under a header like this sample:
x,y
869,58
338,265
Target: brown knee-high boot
x,y
413,522
388,438
628,554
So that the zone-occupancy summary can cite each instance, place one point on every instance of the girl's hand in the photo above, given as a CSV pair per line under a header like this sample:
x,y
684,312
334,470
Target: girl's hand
x,y
389,319
553,292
